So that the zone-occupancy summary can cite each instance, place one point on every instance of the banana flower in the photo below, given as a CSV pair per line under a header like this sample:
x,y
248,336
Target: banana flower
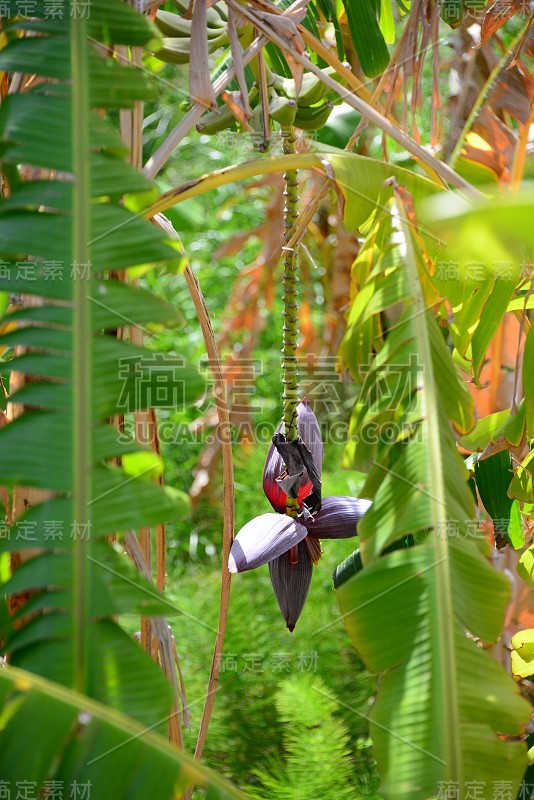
x,y
291,545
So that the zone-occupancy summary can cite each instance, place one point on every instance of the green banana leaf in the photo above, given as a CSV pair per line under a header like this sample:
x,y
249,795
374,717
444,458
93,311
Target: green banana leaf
x,y
60,240
367,35
493,477
86,744
446,714
487,249
361,182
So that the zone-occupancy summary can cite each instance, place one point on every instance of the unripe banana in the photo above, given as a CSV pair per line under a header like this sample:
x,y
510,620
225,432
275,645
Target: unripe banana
x,y
311,118
222,9
312,89
174,50
256,120
283,110
215,121
173,25
177,50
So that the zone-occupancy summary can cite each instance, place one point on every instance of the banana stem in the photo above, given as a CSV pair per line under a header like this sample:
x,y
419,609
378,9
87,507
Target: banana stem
x,y
290,329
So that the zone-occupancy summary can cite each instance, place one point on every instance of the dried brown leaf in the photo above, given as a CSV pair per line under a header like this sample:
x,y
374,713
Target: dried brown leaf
x,y
286,26
528,44
297,71
4,499
513,92
492,144
234,102
496,16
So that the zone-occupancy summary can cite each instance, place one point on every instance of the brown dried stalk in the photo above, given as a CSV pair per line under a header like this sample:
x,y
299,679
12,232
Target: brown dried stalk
x,y
131,128
200,88
228,483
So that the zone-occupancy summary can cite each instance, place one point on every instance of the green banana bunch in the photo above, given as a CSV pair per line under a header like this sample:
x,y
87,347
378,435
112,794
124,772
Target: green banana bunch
x,y
287,111
282,109
176,32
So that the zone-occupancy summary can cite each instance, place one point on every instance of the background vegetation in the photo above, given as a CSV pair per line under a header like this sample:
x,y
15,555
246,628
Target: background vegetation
x,y
405,691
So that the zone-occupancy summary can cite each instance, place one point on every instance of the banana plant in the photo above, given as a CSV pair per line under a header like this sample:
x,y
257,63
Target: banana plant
x,y
66,230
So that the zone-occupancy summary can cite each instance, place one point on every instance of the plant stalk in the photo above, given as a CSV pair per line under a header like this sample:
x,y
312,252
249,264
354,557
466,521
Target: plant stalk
x,y
82,350
223,430
290,278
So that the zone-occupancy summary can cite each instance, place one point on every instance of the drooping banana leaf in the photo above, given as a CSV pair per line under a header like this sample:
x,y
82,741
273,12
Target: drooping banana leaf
x,y
446,714
363,183
87,749
65,228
